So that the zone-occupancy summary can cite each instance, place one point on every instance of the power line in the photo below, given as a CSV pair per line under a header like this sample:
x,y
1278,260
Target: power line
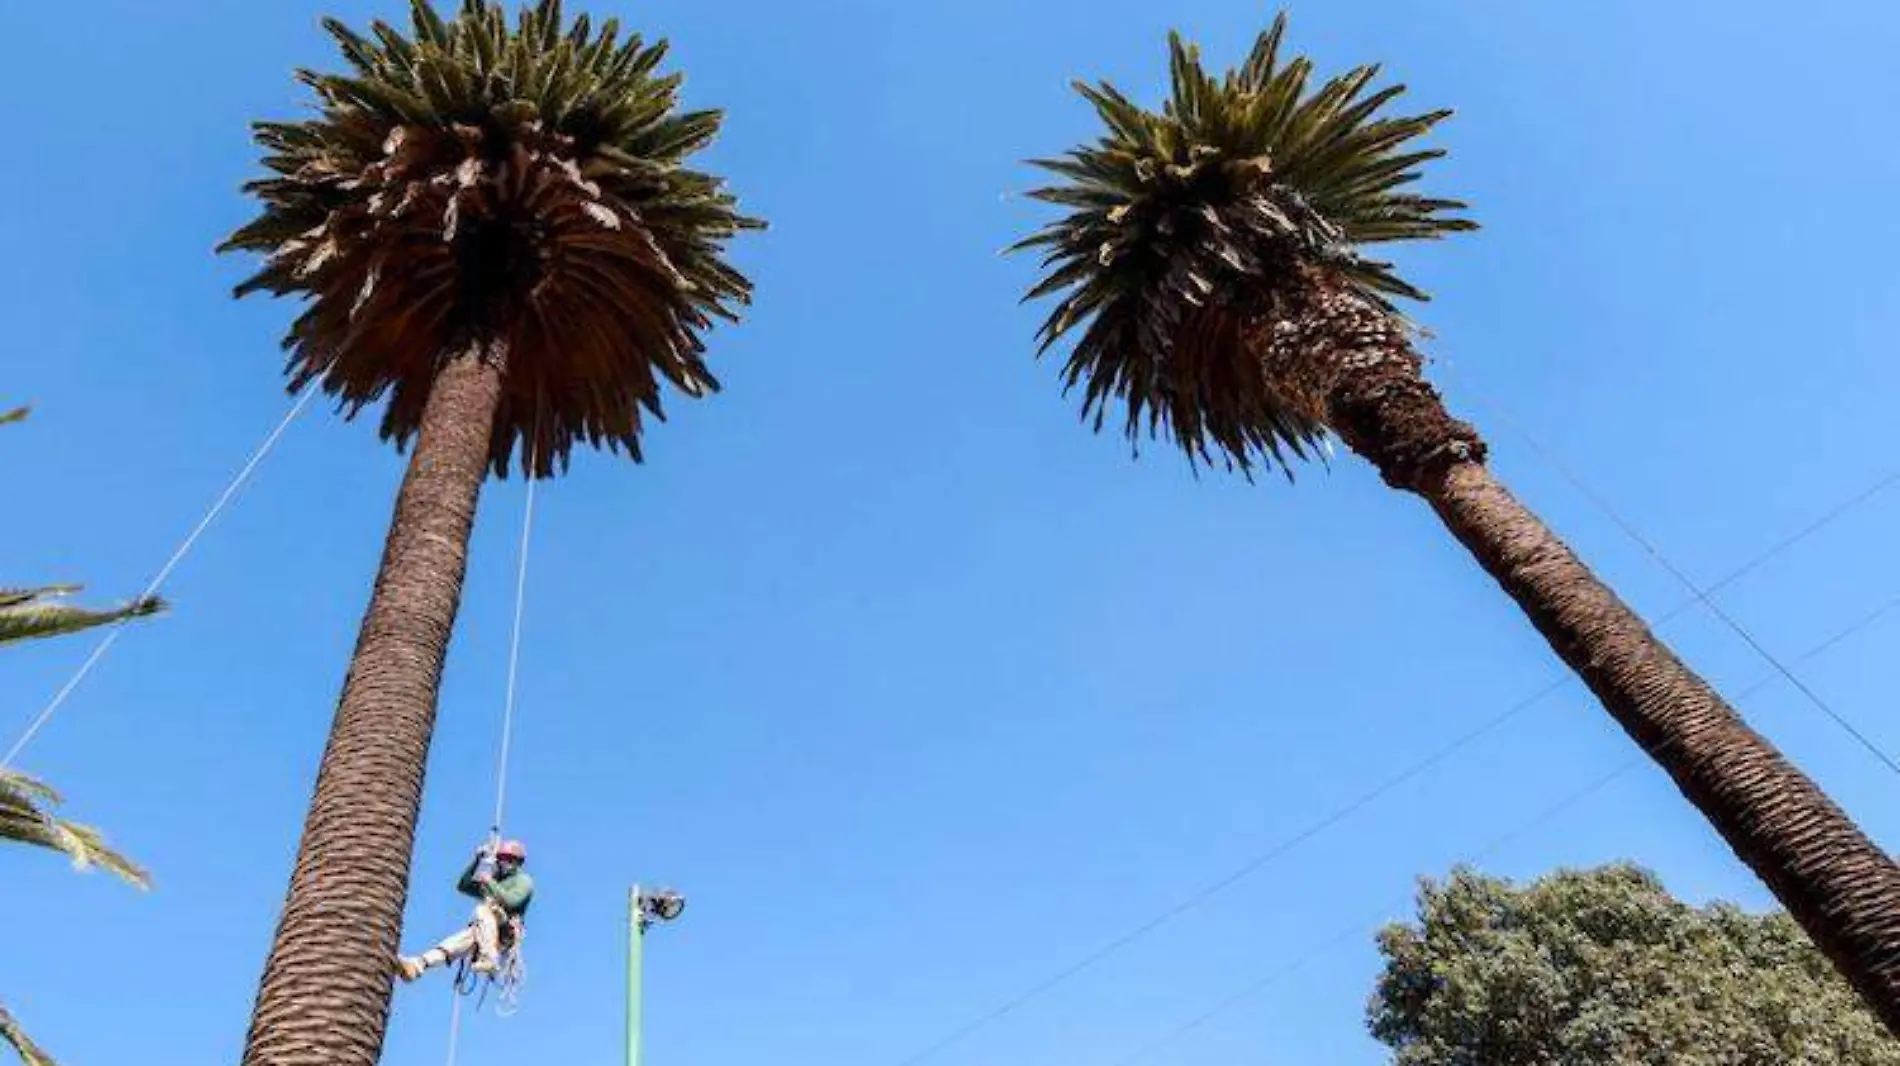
x,y
1240,997
1250,867
1366,799
1357,929
1703,597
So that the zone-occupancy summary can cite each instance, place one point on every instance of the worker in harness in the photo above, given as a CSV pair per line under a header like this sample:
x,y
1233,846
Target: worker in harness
x,y
503,894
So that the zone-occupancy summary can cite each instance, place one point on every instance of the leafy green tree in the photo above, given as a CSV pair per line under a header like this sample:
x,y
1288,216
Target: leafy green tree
x,y
498,240
26,804
1605,968
1215,263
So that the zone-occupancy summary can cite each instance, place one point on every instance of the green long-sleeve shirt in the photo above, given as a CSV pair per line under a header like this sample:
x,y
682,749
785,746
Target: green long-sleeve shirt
x,y
512,893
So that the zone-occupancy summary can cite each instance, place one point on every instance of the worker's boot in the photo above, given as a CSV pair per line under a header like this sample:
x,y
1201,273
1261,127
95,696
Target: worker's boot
x,y
412,968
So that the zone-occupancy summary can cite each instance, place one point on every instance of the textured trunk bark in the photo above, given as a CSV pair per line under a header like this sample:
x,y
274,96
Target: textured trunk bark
x,y
1841,887
1353,365
324,1000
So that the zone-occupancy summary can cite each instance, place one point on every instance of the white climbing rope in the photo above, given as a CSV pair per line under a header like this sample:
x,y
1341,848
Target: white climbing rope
x,y
514,655
455,1022
517,968
111,636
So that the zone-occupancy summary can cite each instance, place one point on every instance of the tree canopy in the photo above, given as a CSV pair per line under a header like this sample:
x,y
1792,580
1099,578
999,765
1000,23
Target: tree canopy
x,y
1605,968
517,184
1182,227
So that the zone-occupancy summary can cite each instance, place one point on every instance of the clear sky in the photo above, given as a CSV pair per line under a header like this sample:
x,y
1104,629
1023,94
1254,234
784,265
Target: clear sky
x,y
920,691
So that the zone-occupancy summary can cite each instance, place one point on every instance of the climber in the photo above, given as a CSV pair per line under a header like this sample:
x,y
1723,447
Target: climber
x,y
504,896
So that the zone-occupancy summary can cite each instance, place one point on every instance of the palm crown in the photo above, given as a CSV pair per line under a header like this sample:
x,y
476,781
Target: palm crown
x,y
519,187
1185,228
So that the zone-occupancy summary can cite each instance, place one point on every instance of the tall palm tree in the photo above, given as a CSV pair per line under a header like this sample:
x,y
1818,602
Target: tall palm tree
x,y
1212,262
495,230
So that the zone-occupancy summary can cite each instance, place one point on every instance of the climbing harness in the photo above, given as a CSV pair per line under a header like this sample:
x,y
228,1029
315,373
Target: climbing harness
x,y
511,965
511,972
111,636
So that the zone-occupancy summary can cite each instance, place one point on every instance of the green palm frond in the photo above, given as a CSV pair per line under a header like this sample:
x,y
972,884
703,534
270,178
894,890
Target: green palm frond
x,y
26,817
15,1037
1182,226
480,178
26,803
30,614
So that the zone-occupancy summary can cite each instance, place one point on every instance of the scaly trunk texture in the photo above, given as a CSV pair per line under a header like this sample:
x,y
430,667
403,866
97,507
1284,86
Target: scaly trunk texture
x,y
1352,364
324,999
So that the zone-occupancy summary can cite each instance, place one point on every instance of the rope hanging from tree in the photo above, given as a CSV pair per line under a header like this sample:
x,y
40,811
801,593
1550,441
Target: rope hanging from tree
x,y
514,971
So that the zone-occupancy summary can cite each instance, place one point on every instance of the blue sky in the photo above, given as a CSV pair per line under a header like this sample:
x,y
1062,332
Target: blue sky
x,y
920,691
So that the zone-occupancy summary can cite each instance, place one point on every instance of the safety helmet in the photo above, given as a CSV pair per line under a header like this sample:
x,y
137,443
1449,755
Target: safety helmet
x,y
512,849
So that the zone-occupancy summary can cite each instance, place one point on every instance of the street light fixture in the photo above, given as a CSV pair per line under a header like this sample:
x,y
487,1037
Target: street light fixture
x,y
644,909
664,905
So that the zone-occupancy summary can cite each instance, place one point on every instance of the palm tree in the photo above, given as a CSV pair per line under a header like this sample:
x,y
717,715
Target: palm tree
x,y
1212,262
26,803
496,232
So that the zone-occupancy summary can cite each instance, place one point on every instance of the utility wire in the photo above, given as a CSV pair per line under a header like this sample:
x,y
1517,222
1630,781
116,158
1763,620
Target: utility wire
x,y
1366,799
1354,931
1702,596
1279,976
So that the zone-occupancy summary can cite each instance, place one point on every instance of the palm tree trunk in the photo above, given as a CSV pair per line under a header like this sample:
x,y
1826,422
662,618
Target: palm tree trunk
x,y
1356,365
324,999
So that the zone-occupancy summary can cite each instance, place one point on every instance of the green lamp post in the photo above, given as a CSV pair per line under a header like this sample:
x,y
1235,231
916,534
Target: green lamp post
x,y
644,909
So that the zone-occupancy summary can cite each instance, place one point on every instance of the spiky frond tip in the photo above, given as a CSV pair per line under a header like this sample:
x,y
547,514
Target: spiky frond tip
x,y
478,179
1181,226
